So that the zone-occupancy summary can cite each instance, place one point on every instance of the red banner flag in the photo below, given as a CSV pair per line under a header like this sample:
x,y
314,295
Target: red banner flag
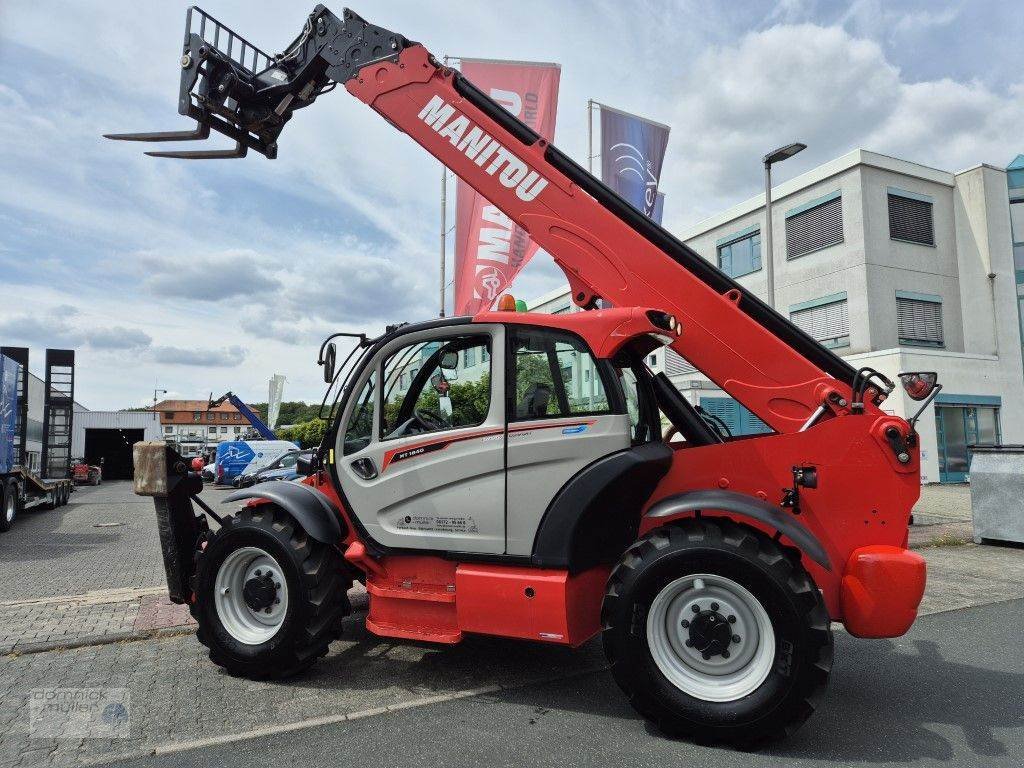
x,y
489,249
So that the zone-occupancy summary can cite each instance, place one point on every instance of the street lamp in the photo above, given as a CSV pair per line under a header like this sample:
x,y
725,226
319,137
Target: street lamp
x,y
780,154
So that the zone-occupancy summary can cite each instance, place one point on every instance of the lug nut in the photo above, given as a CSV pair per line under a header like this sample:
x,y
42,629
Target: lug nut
x,y
277,585
277,601
685,623
689,643
259,572
732,619
695,608
706,655
714,606
735,638
725,654
267,609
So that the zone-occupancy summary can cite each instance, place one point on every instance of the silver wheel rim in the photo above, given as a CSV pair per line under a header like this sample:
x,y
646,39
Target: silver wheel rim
x,y
720,677
9,507
244,623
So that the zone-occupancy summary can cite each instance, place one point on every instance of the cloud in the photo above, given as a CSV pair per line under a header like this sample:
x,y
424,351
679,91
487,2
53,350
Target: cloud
x,y
50,328
117,337
225,357
833,91
207,276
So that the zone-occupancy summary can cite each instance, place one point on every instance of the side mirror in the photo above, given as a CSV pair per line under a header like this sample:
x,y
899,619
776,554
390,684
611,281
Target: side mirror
x,y
918,385
330,356
305,466
449,361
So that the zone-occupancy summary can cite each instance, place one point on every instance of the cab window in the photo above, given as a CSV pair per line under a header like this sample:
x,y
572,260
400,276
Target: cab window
x,y
555,375
359,429
430,386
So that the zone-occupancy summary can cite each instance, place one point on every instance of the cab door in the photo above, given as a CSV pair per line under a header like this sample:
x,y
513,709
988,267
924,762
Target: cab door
x,y
421,456
565,411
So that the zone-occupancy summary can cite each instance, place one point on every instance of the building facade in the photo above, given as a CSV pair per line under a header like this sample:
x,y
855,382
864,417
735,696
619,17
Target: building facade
x,y
893,265
193,426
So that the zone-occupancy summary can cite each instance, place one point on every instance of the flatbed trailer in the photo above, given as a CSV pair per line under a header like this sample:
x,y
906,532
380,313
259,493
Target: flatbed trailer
x,y
20,488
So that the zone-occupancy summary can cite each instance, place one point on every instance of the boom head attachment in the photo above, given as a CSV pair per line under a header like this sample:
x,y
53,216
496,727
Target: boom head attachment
x,y
238,90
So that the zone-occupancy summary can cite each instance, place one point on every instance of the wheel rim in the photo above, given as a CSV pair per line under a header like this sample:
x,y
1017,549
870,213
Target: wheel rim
x,y
692,630
9,507
251,595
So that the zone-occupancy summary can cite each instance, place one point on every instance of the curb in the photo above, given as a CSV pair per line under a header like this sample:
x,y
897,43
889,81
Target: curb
x,y
25,649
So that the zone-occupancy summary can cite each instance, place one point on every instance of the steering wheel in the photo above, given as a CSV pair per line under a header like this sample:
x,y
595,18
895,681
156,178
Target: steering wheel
x,y
430,420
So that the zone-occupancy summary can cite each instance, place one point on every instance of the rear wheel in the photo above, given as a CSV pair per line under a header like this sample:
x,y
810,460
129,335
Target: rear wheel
x,y
268,597
11,506
716,634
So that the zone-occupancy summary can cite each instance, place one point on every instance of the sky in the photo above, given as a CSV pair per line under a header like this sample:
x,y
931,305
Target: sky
x,y
200,277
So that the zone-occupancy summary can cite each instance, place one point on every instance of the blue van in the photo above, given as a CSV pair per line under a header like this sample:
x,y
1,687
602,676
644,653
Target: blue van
x,y
237,457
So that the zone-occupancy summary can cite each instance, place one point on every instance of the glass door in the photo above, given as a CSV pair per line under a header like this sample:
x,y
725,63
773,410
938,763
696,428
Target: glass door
x,y
958,428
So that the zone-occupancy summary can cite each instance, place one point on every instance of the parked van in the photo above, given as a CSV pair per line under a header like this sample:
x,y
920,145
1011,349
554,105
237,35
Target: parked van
x,y
236,457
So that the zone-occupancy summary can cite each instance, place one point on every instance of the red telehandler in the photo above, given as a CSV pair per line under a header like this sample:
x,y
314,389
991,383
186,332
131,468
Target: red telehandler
x,y
506,474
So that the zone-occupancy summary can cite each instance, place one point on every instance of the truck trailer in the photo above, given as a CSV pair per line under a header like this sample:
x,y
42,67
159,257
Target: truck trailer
x,y
20,488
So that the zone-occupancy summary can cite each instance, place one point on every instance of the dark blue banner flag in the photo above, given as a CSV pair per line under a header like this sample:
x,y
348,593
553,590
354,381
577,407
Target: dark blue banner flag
x,y
632,152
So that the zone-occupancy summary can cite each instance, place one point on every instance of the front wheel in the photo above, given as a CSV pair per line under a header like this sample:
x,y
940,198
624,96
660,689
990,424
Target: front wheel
x,y
716,634
269,598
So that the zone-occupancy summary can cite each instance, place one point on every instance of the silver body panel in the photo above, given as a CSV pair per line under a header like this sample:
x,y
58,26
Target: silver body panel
x,y
543,455
450,490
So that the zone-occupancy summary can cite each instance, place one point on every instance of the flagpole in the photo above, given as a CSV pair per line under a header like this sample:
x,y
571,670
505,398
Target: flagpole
x,y
590,136
444,224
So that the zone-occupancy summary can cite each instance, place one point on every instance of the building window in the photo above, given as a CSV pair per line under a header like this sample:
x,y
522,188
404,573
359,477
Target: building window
x,y
169,415
236,416
224,417
209,415
484,355
919,319
652,359
910,217
825,320
238,430
676,364
740,254
169,430
736,418
213,430
223,430
197,415
815,225
469,357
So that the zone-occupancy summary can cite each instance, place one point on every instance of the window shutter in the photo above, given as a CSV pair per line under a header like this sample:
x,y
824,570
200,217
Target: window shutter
x,y
919,321
824,323
676,365
911,220
816,228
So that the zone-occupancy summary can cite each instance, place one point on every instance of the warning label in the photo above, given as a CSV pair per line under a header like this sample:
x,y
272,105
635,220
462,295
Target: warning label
x,y
440,524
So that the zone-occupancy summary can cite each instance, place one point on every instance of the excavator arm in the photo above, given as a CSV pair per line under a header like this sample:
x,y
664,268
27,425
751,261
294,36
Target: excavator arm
x,y
607,249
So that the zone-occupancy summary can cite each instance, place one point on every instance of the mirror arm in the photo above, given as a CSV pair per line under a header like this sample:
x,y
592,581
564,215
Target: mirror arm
x,y
925,404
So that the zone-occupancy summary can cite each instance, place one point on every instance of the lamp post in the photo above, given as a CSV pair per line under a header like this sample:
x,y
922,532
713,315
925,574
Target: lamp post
x,y
780,154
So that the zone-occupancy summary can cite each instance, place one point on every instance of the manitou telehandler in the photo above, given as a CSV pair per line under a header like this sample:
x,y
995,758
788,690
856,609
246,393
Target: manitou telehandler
x,y
506,474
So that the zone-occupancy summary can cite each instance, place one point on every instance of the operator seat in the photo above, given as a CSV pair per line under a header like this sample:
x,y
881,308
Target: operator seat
x,y
535,401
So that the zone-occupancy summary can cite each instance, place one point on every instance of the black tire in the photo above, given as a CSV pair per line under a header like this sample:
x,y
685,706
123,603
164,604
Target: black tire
x,y
317,583
9,494
803,639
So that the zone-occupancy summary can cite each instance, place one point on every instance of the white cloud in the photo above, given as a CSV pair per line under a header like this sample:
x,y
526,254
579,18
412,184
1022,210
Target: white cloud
x,y
226,357
254,261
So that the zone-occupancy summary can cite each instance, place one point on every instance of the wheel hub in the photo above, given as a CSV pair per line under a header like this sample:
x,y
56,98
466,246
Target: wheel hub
x,y
711,633
260,592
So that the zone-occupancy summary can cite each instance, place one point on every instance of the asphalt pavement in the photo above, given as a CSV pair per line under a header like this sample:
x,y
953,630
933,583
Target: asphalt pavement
x,y
951,692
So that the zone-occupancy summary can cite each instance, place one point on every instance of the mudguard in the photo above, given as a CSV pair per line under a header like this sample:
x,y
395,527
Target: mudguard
x,y
310,508
745,506
595,515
